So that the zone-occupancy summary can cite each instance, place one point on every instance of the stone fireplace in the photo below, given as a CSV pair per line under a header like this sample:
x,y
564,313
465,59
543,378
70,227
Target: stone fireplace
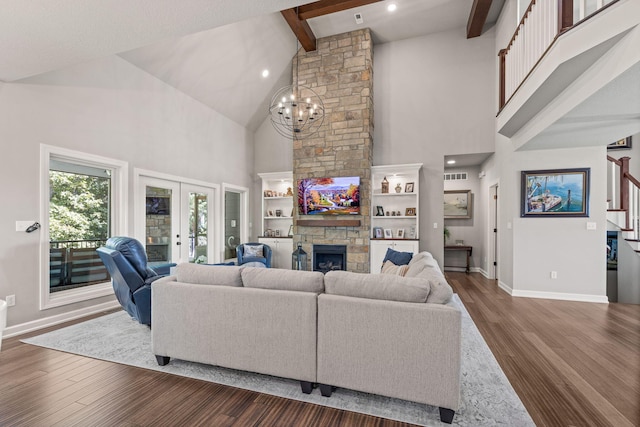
x,y
329,258
340,71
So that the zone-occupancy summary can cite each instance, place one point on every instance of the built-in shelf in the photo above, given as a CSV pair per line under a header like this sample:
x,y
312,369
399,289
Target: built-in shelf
x,y
328,222
408,240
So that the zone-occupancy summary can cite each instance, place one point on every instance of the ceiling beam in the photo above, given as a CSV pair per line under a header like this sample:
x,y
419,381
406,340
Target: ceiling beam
x,y
297,17
477,17
301,29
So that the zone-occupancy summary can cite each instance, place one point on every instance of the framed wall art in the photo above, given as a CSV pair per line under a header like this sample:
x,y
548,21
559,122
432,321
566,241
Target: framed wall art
x,y
555,192
458,204
622,143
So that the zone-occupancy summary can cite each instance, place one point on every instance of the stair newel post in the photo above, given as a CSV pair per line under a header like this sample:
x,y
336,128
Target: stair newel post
x,y
624,188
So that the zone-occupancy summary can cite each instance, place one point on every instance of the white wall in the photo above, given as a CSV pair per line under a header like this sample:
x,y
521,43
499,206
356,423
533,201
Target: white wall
x,y
470,230
433,96
113,109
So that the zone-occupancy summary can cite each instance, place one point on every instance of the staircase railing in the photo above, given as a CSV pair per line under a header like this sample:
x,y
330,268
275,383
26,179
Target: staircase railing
x,y
542,23
624,194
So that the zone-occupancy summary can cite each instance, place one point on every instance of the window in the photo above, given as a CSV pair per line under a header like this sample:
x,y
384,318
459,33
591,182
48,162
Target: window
x,y
83,205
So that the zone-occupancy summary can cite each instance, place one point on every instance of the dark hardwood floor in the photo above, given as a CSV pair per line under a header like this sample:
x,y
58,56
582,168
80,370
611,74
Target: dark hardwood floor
x,y
571,363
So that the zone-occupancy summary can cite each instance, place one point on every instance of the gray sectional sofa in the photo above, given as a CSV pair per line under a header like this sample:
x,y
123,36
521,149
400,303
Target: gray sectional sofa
x,y
397,336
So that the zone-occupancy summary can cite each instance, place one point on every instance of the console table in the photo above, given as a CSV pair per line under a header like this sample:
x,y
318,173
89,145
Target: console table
x,y
467,249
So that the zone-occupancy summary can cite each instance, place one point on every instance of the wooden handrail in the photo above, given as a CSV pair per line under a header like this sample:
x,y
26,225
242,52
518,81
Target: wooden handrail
x,y
616,161
632,179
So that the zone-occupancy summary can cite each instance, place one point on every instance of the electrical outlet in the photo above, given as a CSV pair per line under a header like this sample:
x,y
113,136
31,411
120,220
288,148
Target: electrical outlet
x,y
11,300
554,274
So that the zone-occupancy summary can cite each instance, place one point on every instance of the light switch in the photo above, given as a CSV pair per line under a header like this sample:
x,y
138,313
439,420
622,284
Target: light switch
x,y
233,222
591,225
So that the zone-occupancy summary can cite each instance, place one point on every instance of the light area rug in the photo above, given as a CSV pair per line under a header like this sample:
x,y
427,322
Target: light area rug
x,y
487,397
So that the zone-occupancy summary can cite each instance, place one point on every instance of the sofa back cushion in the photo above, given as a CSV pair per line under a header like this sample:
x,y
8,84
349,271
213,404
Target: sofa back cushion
x,y
286,280
376,286
221,275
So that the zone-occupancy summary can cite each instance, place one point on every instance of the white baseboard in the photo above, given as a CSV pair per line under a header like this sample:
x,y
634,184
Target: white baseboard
x,y
508,289
602,299
34,325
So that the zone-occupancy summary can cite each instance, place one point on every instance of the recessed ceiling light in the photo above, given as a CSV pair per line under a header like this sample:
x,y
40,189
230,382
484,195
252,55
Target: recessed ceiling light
x,y
451,162
392,7
265,73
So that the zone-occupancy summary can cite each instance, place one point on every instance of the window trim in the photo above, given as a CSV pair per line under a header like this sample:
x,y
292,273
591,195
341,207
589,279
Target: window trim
x,y
119,199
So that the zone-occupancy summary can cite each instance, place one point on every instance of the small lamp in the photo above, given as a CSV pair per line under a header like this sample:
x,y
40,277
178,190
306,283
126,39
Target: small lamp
x,y
299,259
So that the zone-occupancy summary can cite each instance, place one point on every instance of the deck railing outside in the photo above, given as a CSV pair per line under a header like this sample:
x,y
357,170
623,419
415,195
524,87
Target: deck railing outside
x,y
540,26
75,263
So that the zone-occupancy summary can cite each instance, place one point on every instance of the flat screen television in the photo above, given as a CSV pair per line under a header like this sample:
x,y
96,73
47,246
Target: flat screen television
x,y
329,196
158,206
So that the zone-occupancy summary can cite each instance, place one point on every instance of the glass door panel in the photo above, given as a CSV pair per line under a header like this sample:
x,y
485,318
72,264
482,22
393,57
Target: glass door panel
x,y
161,225
198,224
232,223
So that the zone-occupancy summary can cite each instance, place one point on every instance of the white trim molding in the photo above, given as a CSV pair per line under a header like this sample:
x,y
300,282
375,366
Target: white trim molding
x,y
46,322
602,299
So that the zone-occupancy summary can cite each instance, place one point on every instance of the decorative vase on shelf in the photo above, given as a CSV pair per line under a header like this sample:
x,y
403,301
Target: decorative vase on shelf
x,y
398,188
385,185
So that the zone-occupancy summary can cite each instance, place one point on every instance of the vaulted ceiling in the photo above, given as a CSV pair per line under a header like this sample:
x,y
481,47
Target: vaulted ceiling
x,y
212,50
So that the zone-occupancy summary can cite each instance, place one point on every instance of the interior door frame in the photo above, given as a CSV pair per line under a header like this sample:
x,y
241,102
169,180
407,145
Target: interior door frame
x,y
493,221
244,212
214,212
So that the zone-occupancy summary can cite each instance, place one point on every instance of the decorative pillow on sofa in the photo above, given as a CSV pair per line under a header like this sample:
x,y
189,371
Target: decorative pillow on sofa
x,y
221,275
251,251
396,257
397,270
376,286
286,280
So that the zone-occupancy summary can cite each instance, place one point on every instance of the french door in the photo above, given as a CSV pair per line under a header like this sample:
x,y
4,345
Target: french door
x,y
175,220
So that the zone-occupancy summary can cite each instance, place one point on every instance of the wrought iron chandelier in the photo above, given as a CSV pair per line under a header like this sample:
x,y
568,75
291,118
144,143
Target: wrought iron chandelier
x,y
296,111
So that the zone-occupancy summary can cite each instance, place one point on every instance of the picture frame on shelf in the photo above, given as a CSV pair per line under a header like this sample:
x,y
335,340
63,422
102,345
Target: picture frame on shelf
x,y
458,204
410,212
408,187
412,232
379,211
622,143
388,234
555,193
270,213
400,233
378,233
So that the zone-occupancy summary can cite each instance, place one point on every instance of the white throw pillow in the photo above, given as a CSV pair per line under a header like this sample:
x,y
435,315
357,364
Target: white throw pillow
x,y
254,251
390,268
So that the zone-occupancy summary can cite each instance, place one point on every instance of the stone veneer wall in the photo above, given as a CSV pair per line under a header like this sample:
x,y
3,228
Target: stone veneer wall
x,y
340,71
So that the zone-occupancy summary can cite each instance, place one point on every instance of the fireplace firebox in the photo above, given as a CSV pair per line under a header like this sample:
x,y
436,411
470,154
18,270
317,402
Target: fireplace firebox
x,y
329,257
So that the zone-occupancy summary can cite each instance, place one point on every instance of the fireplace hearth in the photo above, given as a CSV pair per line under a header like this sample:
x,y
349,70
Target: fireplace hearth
x,y
329,257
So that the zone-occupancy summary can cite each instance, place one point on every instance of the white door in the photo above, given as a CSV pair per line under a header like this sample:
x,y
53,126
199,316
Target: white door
x,y
158,219
175,221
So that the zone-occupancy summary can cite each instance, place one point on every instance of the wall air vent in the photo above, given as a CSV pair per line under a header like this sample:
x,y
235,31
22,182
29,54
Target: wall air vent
x,y
455,176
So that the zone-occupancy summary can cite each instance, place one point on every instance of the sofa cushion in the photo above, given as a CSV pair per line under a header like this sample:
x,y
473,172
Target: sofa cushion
x,y
208,274
287,280
376,286
421,261
441,291
396,257
397,270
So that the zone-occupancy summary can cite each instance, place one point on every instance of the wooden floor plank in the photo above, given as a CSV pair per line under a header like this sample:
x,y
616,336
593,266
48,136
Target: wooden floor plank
x,y
571,363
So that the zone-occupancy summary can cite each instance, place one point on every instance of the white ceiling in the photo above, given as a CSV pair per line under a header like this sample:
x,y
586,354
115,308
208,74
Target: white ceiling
x,y
212,50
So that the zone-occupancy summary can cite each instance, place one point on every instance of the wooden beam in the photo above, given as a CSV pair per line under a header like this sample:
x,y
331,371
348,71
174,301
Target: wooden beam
x,y
301,29
477,17
297,17
325,7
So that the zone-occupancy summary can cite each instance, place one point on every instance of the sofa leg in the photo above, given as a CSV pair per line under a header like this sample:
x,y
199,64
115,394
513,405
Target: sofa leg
x,y
446,415
162,360
326,390
307,387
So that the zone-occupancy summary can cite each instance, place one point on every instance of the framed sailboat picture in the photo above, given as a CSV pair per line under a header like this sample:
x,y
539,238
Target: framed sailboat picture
x,y
458,204
555,193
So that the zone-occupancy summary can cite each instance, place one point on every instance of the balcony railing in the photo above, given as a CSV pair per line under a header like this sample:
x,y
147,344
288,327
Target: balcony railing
x,y
539,28
75,263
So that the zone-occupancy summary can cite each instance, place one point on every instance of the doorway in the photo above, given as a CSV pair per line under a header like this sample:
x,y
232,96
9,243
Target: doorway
x,y
175,219
493,233
236,228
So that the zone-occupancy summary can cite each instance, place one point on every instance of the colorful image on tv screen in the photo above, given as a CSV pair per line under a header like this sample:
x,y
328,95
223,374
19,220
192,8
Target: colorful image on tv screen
x,y
329,196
